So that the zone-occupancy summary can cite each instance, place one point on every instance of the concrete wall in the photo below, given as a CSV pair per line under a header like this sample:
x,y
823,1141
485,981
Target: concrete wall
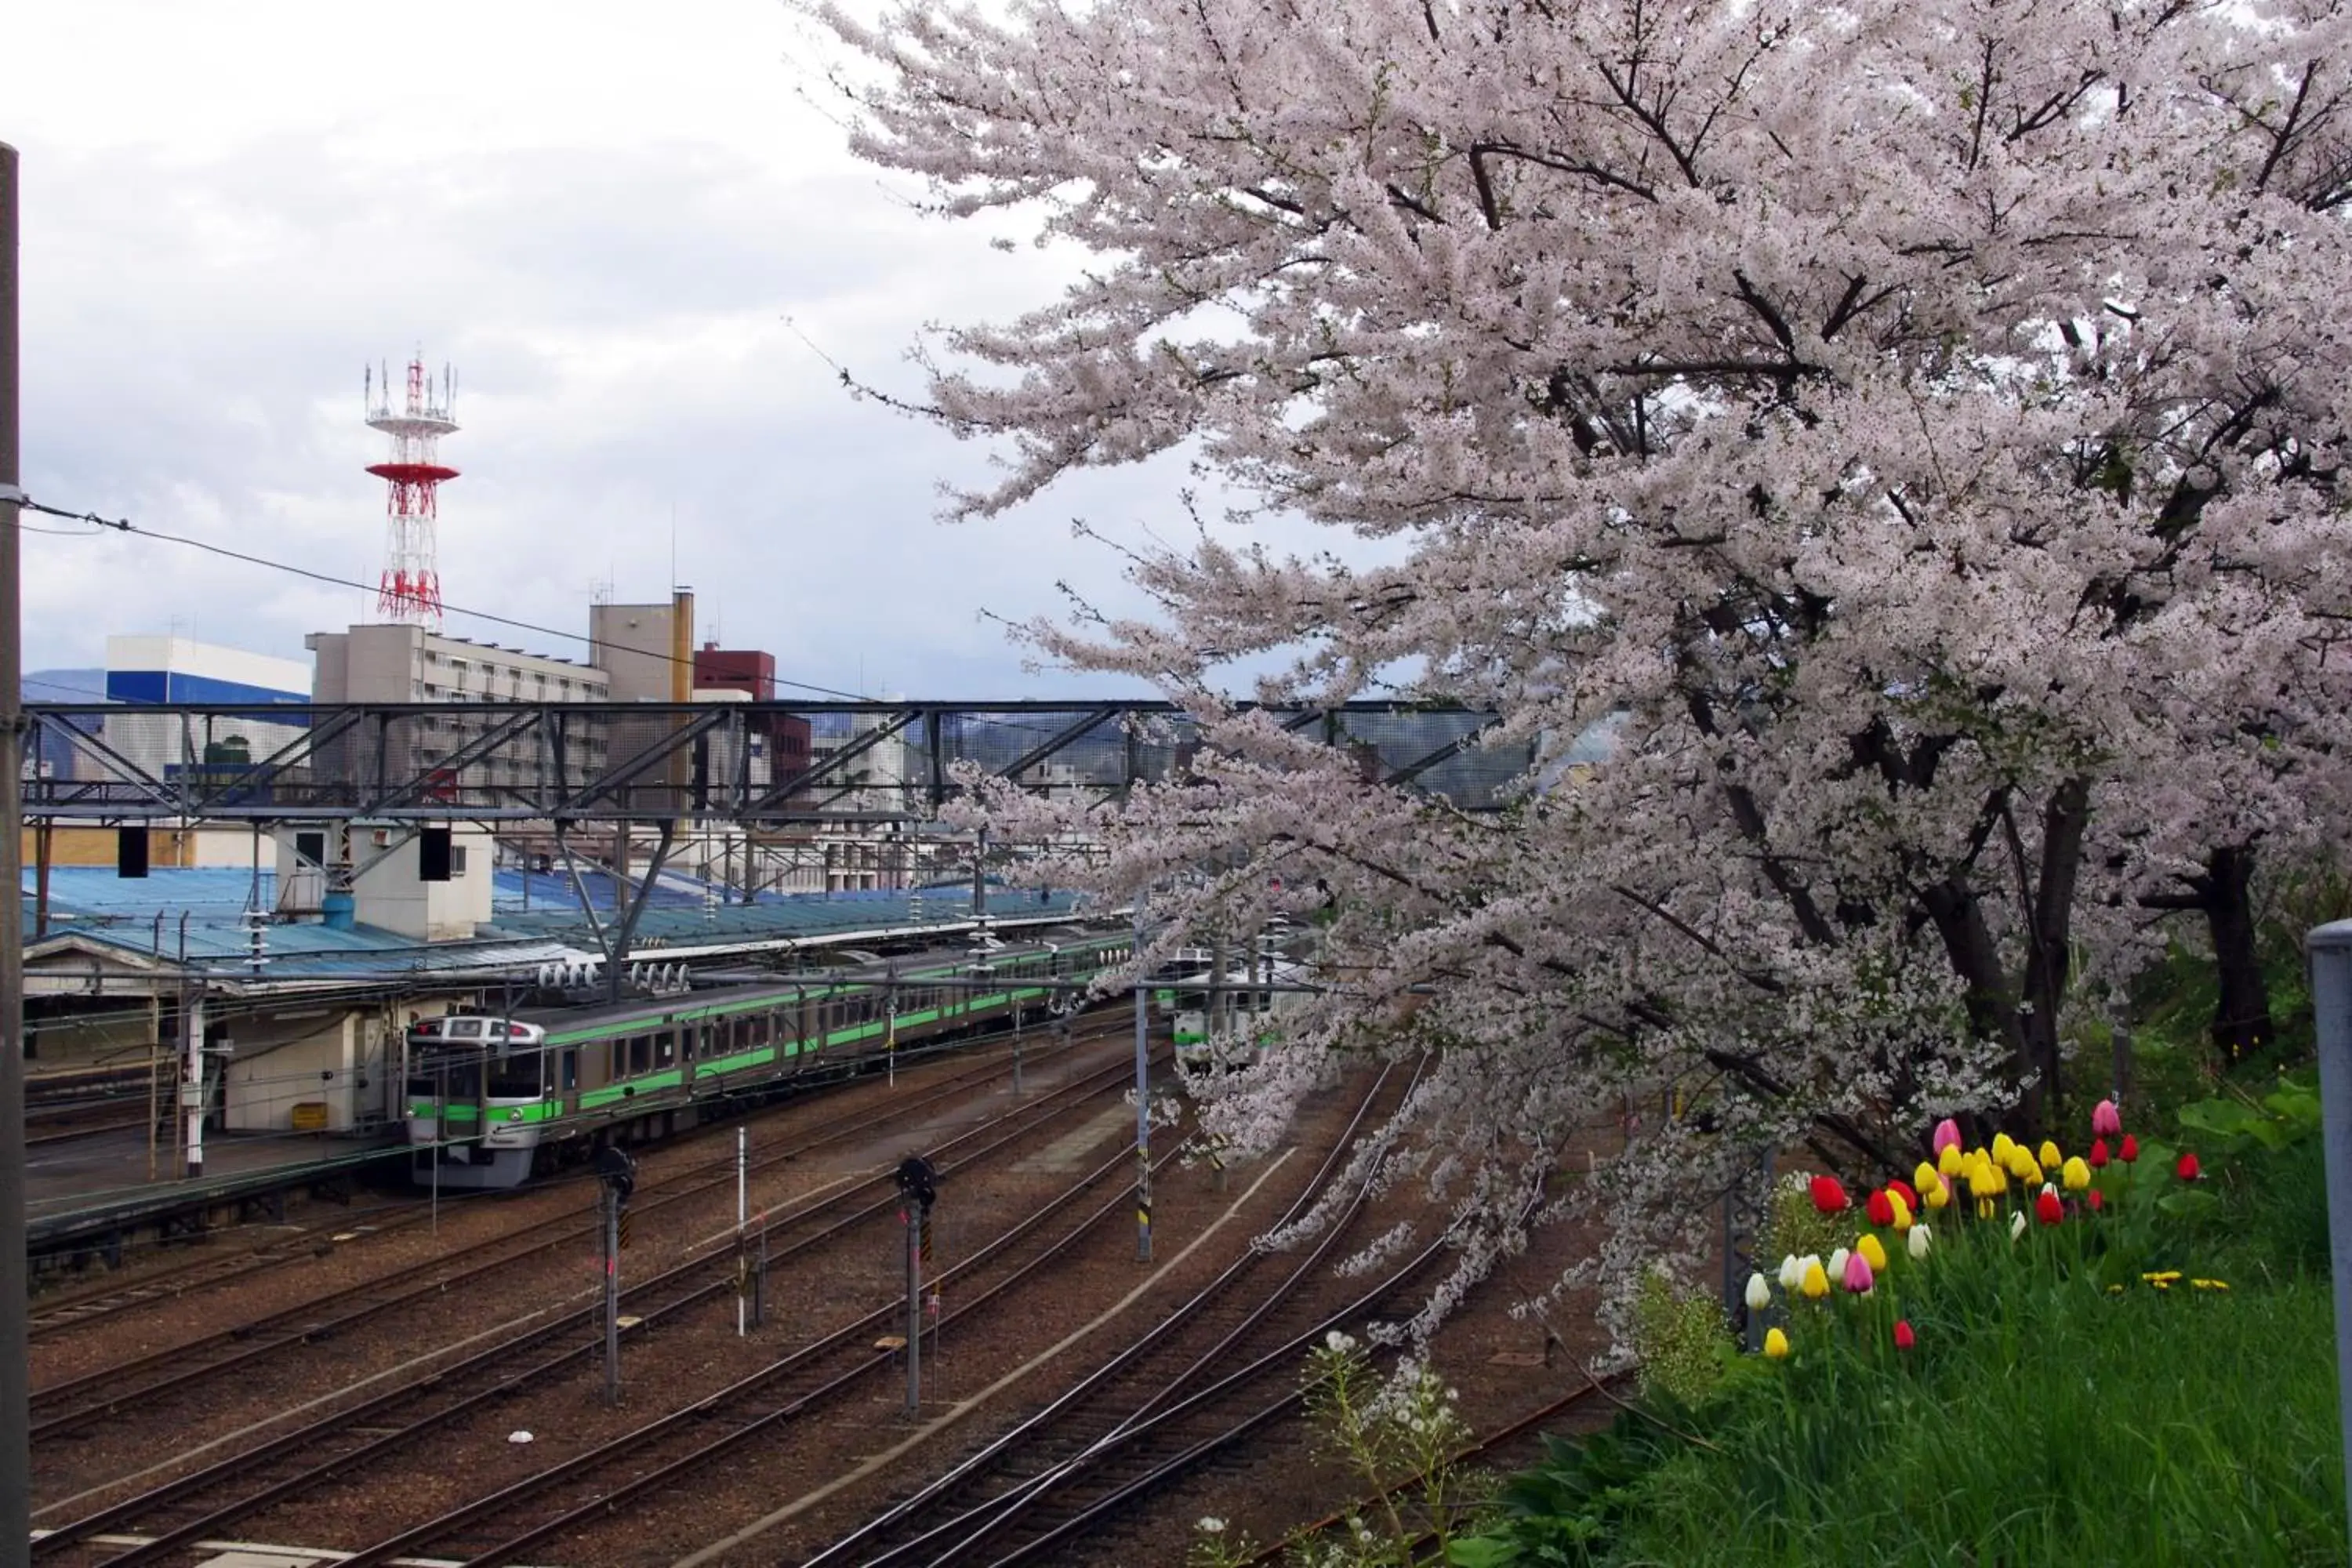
x,y
71,845
634,645
275,1062
393,896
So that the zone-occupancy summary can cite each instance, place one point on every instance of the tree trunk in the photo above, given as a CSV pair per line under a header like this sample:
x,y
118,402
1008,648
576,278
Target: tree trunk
x,y
2241,1013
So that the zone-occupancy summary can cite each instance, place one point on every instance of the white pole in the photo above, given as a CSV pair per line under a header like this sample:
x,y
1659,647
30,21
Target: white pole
x,y
192,1094
743,1217
1143,1098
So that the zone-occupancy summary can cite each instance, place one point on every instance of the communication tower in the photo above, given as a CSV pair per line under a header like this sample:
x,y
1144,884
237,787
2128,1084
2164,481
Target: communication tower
x,y
410,589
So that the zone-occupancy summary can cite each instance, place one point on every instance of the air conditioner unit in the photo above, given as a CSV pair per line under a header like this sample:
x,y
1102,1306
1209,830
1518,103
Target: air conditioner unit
x,y
381,837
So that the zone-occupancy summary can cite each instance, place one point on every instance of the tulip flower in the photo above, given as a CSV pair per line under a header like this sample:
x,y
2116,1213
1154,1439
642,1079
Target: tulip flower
x,y
1837,1263
2075,1175
2048,1155
1902,1211
1947,1136
2096,1199
1940,1194
2047,1208
2022,1166
1858,1277
2130,1150
1869,1249
2098,1153
1776,1345
2106,1121
1878,1209
1792,1271
1904,1338
1951,1161
1760,1293
2187,1170
1815,1284
1985,1183
1829,1197
2017,1225
2001,1144
1919,1243
1925,1176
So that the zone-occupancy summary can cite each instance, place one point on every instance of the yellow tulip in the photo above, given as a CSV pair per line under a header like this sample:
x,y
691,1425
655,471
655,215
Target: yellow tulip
x,y
1984,1181
2048,1155
2001,1144
1951,1161
1902,1212
2075,1175
1775,1345
1871,1252
1936,1196
1923,1177
1816,1282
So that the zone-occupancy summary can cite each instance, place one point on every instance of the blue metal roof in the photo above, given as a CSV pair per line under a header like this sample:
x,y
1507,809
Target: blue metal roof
x,y
143,915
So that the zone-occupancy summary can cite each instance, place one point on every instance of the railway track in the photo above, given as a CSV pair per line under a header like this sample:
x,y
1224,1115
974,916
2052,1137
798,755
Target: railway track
x,y
1022,1480
57,1313
588,1490
77,1403
201,1505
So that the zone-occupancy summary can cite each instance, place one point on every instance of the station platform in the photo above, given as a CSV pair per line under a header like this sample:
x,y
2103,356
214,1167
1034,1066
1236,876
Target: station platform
x,y
87,1196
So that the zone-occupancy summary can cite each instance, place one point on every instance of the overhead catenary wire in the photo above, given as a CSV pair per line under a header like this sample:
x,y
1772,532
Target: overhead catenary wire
x,y
125,526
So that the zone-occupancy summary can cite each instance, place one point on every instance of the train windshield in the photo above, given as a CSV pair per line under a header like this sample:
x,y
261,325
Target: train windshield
x,y
467,1058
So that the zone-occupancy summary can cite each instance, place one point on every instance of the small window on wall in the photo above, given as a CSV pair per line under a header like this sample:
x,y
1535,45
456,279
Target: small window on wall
x,y
456,860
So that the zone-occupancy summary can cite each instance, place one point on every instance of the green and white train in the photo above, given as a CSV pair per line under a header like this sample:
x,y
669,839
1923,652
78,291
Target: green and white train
x,y
492,1099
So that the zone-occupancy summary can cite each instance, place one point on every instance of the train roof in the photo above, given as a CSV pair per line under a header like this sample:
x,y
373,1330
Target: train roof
x,y
853,975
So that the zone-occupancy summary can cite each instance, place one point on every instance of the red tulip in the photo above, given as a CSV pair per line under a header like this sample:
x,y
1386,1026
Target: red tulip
x,y
2047,1208
2188,1169
2098,1153
2130,1150
2098,1200
1878,1210
1904,1338
1905,1191
1828,1196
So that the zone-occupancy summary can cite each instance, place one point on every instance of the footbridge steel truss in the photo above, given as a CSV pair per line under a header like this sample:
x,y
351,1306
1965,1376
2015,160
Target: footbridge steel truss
x,y
754,763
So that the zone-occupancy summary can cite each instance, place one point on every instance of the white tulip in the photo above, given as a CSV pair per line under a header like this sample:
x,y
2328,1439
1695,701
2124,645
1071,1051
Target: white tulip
x,y
1760,1293
1919,1242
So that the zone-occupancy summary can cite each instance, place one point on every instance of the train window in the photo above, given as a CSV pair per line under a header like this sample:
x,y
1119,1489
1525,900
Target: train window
x,y
641,1055
570,1079
463,1028
516,1078
665,1047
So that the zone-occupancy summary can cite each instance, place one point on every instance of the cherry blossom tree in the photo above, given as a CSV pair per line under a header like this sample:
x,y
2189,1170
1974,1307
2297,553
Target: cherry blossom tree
x,y
1906,433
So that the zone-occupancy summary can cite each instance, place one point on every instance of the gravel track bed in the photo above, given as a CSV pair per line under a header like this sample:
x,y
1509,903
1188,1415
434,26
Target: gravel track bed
x,y
71,1465
773,1473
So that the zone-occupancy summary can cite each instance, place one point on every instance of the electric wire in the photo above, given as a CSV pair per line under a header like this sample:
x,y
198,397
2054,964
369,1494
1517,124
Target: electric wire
x,y
125,526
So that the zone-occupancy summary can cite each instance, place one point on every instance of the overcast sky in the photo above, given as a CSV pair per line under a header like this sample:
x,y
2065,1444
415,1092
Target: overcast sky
x,y
604,215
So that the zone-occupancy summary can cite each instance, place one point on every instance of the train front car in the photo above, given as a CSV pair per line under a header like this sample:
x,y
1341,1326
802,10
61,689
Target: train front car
x,y
477,1101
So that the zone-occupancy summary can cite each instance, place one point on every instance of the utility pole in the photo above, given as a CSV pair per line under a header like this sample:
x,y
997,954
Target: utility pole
x,y
15,1374
1143,1096
192,1091
917,1190
616,1178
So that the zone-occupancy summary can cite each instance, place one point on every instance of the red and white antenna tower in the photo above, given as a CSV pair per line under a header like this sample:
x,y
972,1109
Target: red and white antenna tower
x,y
410,589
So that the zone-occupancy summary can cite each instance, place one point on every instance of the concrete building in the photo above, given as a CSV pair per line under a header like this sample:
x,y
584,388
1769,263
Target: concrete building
x,y
410,664
646,651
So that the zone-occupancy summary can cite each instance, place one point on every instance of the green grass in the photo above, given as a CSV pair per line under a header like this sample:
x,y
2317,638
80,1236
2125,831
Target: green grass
x,y
2041,1419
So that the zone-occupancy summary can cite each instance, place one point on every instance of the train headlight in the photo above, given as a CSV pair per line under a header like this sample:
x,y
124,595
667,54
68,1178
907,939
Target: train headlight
x,y
515,1115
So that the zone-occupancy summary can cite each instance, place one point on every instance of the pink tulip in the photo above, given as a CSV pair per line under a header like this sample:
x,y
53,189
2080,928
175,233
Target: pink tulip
x,y
1948,1135
1858,1277
2106,1121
